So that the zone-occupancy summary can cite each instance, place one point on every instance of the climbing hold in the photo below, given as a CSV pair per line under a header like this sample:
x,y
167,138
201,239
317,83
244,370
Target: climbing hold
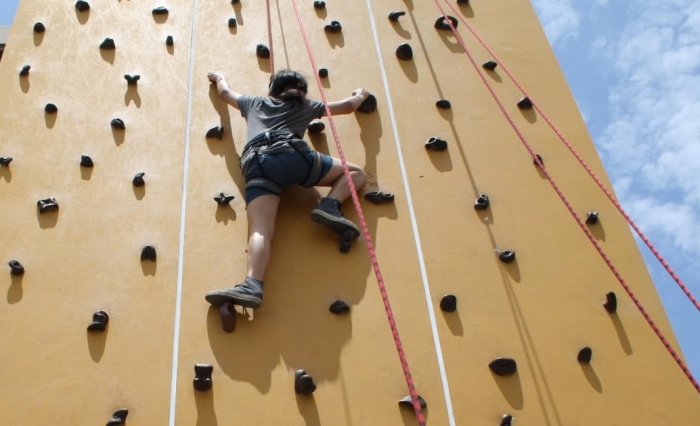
x,y
436,144
507,256
407,402
490,65
346,241
118,123
86,161
443,104
319,5
339,307
262,51
47,205
16,268
5,161
333,27
539,157
610,304
138,179
503,366
448,303
132,80
50,108
404,52
235,1
316,127
441,23
482,203
232,23
107,44
584,355
592,218
303,383
507,418
148,253
227,314
99,321
169,40
160,11
202,376
323,72
379,197
394,16
525,103
25,71
39,27
118,418
369,105
215,133
82,6
223,200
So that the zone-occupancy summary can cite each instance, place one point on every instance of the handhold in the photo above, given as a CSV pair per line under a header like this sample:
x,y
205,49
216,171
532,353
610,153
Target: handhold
x,y
539,157
16,268
482,203
404,52
160,11
443,104
223,200
235,1
215,132
319,5
592,218
303,383
50,108
202,376
5,161
507,256
169,40
132,80
232,23
323,72
448,303
47,205
436,144
369,105
379,197
407,402
333,27
99,321
107,44
525,103
86,161
118,418
39,27
82,6
149,253
490,65
441,23
584,355
227,313
346,241
138,179
118,123
339,307
262,51
25,71
507,418
503,366
394,16
316,127
610,304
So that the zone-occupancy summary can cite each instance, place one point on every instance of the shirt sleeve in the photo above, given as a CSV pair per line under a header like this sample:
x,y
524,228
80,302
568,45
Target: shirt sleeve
x,y
246,103
318,108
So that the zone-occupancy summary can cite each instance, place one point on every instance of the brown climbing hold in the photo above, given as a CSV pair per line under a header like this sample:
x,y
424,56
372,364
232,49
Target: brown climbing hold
x,y
227,314
160,11
404,52
584,355
50,108
5,161
407,402
86,161
138,179
448,303
379,197
118,123
132,80
118,418
592,218
339,307
108,44
215,133
149,253
16,268
222,199
333,27
262,51
25,71
303,383
610,304
82,6
369,105
395,15
39,27
99,321
441,23
490,65
436,144
507,419
232,23
323,72
443,104
503,366
482,203
202,377
47,205
507,256
316,127
525,103
169,40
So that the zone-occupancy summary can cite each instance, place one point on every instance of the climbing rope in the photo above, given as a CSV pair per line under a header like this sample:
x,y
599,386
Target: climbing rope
x,y
585,165
365,231
269,37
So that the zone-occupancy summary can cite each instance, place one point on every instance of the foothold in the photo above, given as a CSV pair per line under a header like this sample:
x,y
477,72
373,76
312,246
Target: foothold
x,y
482,203
223,200
339,307
118,123
316,127
160,11
108,44
369,105
138,179
16,268
132,80
82,6
25,71
149,253
86,161
525,103
169,40
323,72
507,256
228,316
333,27
441,23
404,52
592,218
490,65
610,304
379,197
202,376
507,419
346,241
443,104
319,5
118,418
539,157
503,366
448,303
39,27
50,108
47,205
5,161
303,383
262,51
584,355
99,321
232,23
215,133
436,144
395,15
407,402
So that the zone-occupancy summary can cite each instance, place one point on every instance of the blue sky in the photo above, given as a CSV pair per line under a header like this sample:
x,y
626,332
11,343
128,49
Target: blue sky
x,y
634,69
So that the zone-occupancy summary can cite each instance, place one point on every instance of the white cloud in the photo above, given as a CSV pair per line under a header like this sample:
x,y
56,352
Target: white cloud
x,y
559,18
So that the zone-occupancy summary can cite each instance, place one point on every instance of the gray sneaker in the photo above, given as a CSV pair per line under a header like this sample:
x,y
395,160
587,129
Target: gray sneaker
x,y
248,294
328,213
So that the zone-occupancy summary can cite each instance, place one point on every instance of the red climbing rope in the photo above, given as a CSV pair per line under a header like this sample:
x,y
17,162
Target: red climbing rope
x,y
365,230
269,37
585,165
581,224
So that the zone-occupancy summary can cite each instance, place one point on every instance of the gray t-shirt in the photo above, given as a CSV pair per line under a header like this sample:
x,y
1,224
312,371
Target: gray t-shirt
x,y
264,113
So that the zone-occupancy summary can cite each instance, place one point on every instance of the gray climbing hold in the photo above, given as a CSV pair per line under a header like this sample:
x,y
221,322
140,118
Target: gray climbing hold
x,y
368,106
99,321
108,44
47,205
507,256
592,218
5,161
118,418
394,16
339,307
16,268
316,127
482,203
223,199
379,197
202,377
436,144
138,180
303,383
507,419
169,40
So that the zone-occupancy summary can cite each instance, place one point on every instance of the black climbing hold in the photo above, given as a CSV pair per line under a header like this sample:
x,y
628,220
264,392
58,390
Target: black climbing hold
x,y
223,200
149,253
47,205
228,316
82,6
215,132
503,366
441,23
404,52
448,303
507,419
232,23
490,65
316,127
346,241
525,103
138,179
235,1
86,161
436,144
610,304
118,418
99,321
395,15
407,402
132,80
262,51
16,268
443,104
507,256
303,383
539,157
202,376
584,355
107,44
482,203
319,5
379,197
592,218
39,27
333,27
339,307
118,123
169,40
5,161
160,11
25,71
50,108
323,72
369,105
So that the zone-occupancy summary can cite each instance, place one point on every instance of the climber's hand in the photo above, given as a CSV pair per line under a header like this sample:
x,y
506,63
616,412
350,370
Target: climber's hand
x,y
214,76
362,93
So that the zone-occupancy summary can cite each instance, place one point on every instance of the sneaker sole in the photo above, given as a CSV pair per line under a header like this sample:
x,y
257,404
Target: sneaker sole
x,y
218,298
339,225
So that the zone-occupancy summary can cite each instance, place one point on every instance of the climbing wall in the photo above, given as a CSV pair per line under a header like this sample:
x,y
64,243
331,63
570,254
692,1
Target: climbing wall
x,y
86,260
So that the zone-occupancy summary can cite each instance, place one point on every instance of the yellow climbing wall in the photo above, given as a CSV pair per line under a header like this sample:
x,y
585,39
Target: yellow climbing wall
x,y
540,310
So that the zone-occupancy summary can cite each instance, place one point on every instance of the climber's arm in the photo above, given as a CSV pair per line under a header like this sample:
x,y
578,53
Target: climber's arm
x,y
348,105
225,93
